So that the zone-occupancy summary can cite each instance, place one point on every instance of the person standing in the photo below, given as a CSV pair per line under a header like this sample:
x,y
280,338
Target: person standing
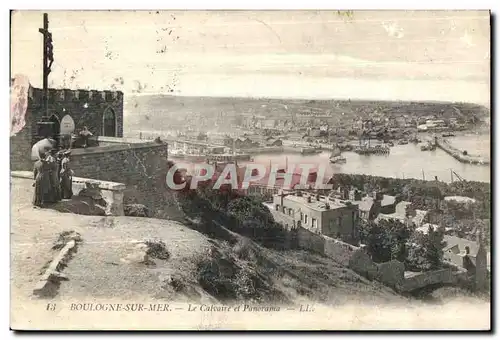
x,y
41,174
66,175
54,177
85,134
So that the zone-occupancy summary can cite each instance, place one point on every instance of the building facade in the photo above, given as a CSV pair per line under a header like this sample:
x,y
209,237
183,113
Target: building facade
x,y
320,214
68,111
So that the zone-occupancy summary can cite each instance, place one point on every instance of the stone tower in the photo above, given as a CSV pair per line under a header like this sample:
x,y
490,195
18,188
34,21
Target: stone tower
x,y
481,274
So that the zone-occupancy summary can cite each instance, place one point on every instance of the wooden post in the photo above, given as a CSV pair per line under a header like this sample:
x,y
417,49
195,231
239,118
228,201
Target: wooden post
x,y
45,32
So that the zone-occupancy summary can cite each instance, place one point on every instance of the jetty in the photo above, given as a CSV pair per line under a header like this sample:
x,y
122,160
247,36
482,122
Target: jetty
x,y
372,150
459,155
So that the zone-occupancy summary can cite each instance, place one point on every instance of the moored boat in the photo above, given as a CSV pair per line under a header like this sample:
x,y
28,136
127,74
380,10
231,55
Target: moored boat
x,y
309,151
336,156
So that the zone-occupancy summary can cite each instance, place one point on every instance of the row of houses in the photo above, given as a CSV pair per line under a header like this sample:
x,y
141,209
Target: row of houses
x,y
247,142
338,214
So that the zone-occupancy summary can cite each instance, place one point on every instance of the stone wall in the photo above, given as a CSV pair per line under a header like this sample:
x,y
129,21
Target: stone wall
x,y
141,167
96,190
310,241
72,102
441,276
391,274
338,250
20,154
324,245
361,263
85,107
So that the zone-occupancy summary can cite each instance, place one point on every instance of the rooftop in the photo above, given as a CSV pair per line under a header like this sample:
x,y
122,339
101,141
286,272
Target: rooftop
x,y
417,219
452,241
388,200
317,205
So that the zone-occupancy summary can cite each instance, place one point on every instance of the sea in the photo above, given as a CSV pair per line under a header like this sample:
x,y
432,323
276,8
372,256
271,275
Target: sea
x,y
404,161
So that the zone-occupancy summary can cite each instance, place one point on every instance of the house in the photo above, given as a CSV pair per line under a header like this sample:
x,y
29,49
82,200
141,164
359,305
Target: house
x,y
388,204
424,229
245,143
268,123
320,214
217,149
274,142
469,255
404,210
371,206
355,195
314,132
368,208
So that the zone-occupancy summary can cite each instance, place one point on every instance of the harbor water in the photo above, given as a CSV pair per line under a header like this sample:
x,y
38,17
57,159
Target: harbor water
x,y
404,161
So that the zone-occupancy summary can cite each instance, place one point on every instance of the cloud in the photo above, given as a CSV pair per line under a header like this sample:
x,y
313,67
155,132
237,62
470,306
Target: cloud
x,y
467,39
393,30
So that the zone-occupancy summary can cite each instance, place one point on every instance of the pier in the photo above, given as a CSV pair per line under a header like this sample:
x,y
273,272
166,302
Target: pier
x,y
458,154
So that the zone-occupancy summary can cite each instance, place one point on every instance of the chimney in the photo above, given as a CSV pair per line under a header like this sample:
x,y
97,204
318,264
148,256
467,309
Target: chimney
x,y
479,236
398,198
357,195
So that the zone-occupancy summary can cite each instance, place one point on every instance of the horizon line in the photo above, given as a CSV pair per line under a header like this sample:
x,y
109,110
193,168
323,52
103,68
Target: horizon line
x,y
162,94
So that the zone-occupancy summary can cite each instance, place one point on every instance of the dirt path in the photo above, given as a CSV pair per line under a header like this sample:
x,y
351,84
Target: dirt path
x,y
97,269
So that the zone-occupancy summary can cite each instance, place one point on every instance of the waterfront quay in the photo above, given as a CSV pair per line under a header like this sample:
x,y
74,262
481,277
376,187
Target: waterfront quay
x,y
445,145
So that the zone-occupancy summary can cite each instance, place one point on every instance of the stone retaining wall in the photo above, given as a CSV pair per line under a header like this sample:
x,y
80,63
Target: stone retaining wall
x,y
112,193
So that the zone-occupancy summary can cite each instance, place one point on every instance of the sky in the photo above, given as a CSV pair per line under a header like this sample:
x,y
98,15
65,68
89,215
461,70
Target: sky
x,y
385,55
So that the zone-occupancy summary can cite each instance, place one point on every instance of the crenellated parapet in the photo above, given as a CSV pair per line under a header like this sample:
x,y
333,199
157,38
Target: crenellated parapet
x,y
67,95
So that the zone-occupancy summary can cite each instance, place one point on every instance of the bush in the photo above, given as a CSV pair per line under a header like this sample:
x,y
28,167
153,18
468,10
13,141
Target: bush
x,y
157,249
426,251
137,210
385,240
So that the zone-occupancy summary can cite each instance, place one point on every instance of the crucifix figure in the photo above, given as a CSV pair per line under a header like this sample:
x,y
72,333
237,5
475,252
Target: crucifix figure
x,y
48,57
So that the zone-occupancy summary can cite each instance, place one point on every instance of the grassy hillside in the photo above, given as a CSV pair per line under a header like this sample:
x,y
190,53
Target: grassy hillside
x,y
202,267
160,112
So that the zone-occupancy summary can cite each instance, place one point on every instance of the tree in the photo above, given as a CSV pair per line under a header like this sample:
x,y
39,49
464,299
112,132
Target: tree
x,y
379,244
399,234
416,259
385,240
426,251
434,247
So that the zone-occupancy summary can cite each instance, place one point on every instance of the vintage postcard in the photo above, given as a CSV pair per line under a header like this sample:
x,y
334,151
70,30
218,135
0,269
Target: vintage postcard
x,y
250,170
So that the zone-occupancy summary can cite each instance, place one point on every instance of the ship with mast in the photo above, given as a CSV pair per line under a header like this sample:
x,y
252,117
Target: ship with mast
x,y
200,156
336,156
365,147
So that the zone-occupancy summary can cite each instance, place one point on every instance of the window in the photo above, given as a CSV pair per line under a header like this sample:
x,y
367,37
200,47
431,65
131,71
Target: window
x,y
313,221
331,225
277,207
305,219
339,221
301,216
109,123
290,211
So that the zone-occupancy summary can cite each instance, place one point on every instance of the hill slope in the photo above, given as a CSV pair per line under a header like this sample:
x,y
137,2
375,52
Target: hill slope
x,y
200,268
160,112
